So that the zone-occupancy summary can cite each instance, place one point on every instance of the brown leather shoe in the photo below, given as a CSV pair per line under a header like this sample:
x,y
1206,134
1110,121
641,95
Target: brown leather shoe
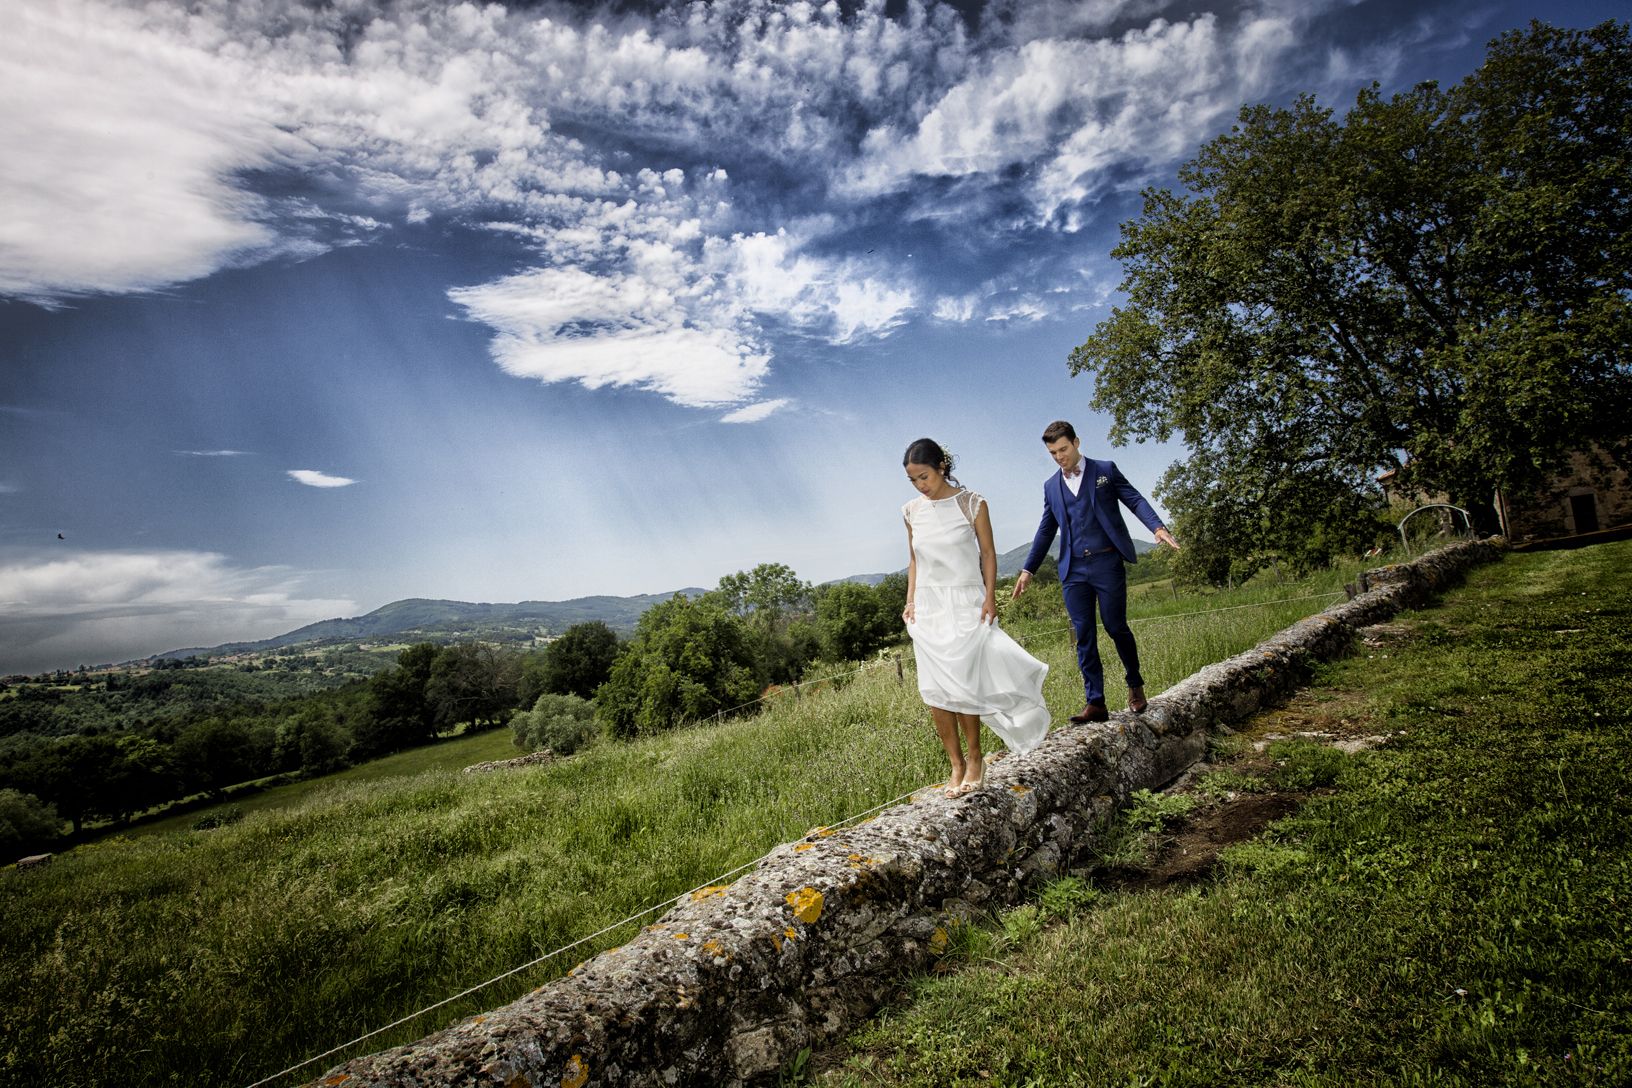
x,y
1093,712
1137,701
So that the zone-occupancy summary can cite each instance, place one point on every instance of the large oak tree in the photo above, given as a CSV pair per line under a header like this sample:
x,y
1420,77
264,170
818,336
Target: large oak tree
x,y
1439,281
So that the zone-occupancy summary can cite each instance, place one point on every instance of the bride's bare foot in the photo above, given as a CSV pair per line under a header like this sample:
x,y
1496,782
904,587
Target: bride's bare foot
x,y
972,782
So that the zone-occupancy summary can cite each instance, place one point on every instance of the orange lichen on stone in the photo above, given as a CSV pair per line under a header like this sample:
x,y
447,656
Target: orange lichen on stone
x,y
789,932
820,833
708,892
338,1078
806,904
577,1073
478,1019
713,948
682,936
805,846
520,1080
1017,788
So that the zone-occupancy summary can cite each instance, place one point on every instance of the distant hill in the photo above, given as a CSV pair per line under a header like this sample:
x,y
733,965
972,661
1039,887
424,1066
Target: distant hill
x,y
419,616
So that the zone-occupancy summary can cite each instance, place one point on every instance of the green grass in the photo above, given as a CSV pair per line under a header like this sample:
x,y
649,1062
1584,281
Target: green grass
x,y
449,755
219,956
1456,910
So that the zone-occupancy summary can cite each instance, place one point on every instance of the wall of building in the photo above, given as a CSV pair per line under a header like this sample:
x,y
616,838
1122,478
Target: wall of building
x,y
1590,475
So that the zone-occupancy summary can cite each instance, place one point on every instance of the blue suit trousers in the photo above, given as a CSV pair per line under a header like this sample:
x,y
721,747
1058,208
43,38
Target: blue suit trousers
x,y
1100,580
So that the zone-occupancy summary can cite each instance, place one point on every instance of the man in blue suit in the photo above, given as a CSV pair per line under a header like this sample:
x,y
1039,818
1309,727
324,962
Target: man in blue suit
x,y
1080,504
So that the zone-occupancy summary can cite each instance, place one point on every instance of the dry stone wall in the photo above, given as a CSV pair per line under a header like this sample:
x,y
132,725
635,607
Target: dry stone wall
x,y
727,988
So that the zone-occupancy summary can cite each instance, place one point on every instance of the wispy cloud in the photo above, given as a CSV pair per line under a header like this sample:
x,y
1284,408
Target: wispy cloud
x,y
692,180
313,478
96,607
753,413
213,453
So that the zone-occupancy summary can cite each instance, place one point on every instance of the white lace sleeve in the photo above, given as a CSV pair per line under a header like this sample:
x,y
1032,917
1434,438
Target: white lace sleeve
x,y
906,512
970,503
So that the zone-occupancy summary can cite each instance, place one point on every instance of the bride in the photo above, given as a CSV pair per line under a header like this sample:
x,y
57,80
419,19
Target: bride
x,y
969,669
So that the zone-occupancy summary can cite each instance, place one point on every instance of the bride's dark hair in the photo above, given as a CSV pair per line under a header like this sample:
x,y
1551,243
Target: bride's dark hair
x,y
927,451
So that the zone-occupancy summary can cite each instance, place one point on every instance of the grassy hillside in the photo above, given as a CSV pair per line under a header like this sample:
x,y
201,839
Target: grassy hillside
x,y
1455,912
220,956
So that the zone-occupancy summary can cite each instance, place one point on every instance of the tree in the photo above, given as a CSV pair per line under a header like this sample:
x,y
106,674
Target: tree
x,y
688,660
854,620
26,824
575,664
312,742
142,775
775,607
769,590
399,713
471,682
216,753
1439,282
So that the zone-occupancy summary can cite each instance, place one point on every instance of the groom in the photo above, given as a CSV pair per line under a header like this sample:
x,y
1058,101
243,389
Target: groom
x,y
1079,502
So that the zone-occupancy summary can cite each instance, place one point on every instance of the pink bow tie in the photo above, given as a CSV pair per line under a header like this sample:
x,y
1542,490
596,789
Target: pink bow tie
x,y
1074,473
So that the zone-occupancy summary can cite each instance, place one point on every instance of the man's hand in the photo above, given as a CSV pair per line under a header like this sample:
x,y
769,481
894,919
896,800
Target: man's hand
x,y
1166,537
1021,581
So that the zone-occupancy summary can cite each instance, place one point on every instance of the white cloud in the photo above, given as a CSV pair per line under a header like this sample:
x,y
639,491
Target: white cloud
x,y
599,138
1073,110
679,314
97,607
132,139
618,329
753,413
313,478
213,453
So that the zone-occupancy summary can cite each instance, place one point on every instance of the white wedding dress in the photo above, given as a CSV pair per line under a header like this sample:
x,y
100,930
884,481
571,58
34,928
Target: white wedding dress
x,y
964,665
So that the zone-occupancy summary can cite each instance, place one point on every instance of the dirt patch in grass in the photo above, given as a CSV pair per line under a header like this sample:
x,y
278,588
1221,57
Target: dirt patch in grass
x,y
1191,847
1186,851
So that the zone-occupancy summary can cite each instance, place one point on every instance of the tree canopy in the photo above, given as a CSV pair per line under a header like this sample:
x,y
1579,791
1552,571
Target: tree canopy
x,y
1439,282
688,660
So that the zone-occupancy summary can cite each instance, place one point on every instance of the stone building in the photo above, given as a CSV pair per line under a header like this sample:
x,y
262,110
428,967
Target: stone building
x,y
1592,494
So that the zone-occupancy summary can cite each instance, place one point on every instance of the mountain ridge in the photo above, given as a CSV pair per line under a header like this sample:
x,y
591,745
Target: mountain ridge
x,y
412,614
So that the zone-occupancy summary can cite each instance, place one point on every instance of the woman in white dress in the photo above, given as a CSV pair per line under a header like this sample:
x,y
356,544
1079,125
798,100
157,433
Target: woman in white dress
x,y
969,669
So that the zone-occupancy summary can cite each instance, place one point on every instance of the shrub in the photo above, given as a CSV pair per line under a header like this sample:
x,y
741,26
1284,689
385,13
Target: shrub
x,y
561,723
225,816
1222,782
1153,811
1066,897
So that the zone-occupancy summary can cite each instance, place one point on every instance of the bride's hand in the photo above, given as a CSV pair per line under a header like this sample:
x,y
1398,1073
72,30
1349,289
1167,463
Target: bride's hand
x,y
988,610
909,613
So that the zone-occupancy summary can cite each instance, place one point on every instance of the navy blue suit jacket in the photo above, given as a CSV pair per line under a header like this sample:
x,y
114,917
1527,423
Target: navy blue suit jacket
x,y
1107,486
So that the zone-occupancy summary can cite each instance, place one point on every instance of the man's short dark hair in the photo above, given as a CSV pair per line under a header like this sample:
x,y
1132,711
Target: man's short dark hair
x,y
1057,430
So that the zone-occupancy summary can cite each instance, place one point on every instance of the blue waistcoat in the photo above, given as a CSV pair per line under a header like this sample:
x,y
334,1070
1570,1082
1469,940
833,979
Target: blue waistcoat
x,y
1082,530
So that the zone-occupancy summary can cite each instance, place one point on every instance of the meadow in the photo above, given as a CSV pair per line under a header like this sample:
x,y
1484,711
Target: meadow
x,y
1453,910
325,909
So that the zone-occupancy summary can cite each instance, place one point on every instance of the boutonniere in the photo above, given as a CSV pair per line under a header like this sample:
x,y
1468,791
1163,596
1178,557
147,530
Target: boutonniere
x,y
1102,481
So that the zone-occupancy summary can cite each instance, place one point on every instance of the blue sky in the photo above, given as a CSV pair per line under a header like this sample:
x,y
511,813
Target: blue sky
x,y
302,312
